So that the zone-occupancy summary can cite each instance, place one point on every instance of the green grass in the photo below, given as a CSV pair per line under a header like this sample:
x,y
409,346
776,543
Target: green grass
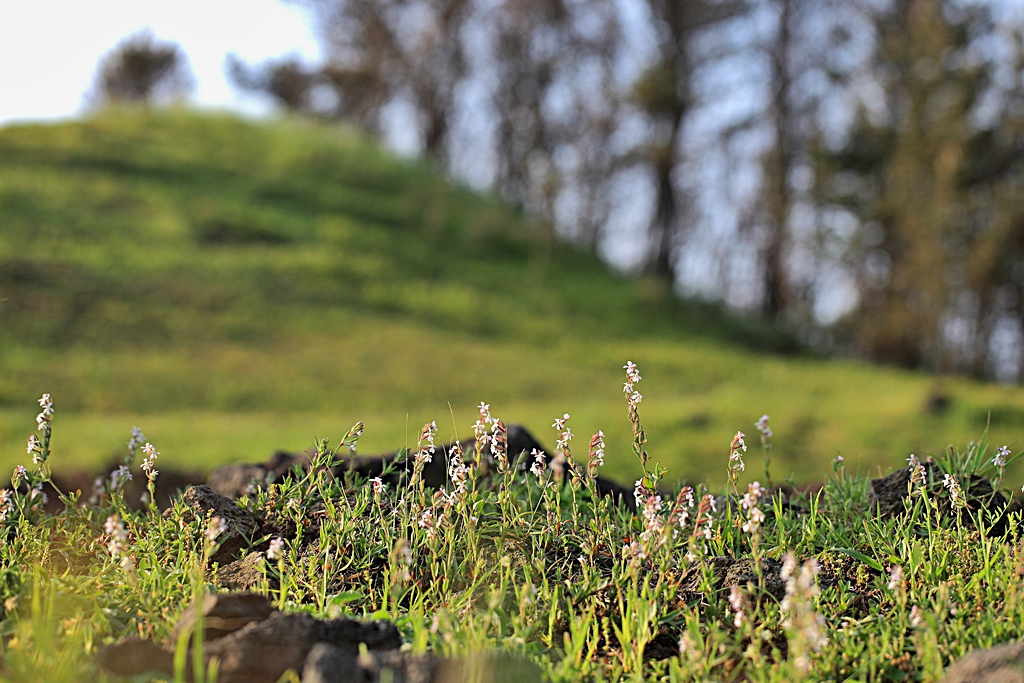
x,y
233,288
547,573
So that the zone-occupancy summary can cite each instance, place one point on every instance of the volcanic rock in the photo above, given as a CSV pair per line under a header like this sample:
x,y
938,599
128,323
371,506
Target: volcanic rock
x,y
241,524
1000,664
224,613
242,574
134,656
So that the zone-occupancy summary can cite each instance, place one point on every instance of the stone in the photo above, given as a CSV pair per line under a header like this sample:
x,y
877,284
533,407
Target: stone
x,y
231,481
1000,664
134,656
241,524
262,651
223,613
327,663
886,496
730,571
241,575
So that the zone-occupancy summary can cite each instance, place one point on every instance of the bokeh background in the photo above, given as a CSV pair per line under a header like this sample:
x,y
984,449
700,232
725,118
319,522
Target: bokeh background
x,y
241,226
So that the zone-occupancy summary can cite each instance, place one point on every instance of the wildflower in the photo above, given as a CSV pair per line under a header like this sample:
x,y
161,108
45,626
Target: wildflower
x,y
480,427
34,446
956,494
425,452
736,450
559,423
765,430
428,523
917,474
916,617
738,602
276,549
20,475
46,403
754,522
118,478
5,504
595,457
633,397
895,577
653,526
118,537
136,440
457,471
378,486
754,492
150,460
539,463
687,647
802,621
1001,454
499,444
680,512
217,527
402,560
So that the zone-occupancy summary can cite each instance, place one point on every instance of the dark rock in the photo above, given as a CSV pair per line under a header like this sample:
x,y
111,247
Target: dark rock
x,y
134,656
241,524
1001,664
332,664
263,651
232,481
887,494
730,571
242,574
224,613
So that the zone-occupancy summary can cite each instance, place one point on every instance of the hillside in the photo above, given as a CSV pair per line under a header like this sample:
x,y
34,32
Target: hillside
x,y
233,288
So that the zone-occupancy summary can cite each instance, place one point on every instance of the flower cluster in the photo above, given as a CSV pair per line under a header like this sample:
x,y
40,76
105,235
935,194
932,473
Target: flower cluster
x,y
38,448
956,494
378,486
401,560
117,545
426,448
736,450
216,528
6,504
803,622
595,458
431,523
20,475
633,397
482,428
755,517
276,550
738,603
458,472
540,464
1002,453
653,533
137,439
499,444
118,478
705,517
895,577
765,430
918,478
149,462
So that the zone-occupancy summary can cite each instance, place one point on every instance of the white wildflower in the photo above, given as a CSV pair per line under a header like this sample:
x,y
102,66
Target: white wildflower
x,y
217,527
276,549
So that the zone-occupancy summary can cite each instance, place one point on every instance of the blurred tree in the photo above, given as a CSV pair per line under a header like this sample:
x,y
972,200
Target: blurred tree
x,y
141,69
287,81
555,51
666,94
382,51
930,178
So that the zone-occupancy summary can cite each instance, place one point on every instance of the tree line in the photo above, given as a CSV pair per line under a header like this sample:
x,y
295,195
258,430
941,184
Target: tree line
x,y
851,169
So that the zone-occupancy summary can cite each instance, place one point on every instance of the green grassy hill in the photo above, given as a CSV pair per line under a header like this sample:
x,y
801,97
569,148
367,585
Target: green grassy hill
x,y
233,288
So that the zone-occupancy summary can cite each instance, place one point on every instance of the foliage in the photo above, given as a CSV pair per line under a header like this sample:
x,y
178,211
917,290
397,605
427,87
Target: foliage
x,y
531,562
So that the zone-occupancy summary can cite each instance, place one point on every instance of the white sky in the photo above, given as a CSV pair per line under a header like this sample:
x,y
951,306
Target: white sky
x,y
49,48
